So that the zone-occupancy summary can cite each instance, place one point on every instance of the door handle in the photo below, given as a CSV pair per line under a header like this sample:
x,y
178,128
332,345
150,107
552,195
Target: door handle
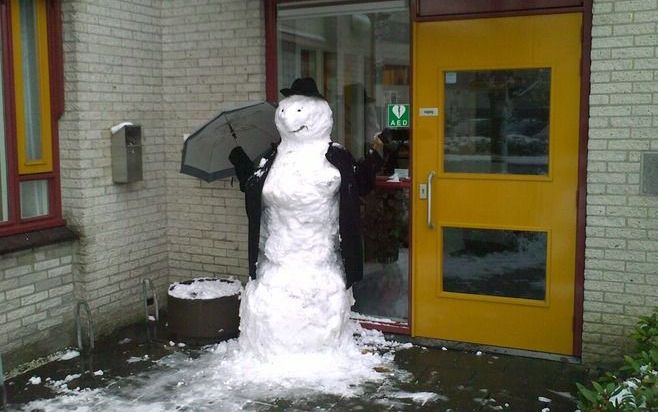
x,y
430,176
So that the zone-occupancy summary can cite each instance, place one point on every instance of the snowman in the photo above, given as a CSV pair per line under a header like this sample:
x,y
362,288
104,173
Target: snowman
x,y
305,248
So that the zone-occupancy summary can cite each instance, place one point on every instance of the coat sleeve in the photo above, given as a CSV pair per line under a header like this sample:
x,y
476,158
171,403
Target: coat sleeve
x,y
244,167
366,170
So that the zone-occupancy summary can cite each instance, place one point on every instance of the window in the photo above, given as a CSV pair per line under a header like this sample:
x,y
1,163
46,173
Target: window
x,y
31,102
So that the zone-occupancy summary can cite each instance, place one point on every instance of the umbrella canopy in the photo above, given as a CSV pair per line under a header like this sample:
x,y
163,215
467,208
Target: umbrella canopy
x,y
205,152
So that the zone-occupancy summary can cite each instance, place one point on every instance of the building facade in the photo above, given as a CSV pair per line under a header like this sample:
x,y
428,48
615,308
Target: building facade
x,y
169,66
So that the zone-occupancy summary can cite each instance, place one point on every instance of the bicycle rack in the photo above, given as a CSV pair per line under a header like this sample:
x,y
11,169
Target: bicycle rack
x,y
78,325
147,284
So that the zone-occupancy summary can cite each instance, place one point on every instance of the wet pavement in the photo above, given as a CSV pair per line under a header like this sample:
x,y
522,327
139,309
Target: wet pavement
x,y
426,379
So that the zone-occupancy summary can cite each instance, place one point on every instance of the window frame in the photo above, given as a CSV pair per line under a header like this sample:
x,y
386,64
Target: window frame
x,y
15,224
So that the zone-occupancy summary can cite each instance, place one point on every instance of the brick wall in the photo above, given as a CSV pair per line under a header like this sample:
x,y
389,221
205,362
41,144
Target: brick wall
x,y
621,275
113,73
36,302
213,59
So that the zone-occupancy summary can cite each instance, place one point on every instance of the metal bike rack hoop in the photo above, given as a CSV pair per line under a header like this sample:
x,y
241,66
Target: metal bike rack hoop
x,y
78,324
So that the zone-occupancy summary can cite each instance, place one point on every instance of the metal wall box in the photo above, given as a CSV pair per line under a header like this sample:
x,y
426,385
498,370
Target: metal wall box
x,y
127,154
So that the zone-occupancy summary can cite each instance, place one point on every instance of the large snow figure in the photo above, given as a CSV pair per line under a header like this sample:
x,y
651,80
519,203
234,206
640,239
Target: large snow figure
x,y
302,204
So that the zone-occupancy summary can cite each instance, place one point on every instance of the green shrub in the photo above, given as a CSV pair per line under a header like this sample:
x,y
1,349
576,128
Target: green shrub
x,y
633,386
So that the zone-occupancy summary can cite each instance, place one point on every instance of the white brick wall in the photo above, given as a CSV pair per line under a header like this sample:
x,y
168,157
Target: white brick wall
x,y
213,59
36,302
113,73
621,269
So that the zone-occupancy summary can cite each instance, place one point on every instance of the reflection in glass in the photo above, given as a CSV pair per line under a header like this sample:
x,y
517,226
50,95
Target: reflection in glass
x,y
495,262
31,94
358,55
34,198
384,290
497,121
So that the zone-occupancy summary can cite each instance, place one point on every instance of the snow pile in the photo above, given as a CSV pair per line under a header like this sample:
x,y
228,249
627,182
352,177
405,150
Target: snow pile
x,y
205,288
223,377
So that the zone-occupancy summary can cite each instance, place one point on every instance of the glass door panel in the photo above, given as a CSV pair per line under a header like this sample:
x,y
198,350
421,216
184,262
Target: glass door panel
x,y
497,121
358,54
508,263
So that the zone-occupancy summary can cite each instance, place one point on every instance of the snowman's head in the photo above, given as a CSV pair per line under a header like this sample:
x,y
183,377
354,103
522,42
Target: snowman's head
x,y
303,119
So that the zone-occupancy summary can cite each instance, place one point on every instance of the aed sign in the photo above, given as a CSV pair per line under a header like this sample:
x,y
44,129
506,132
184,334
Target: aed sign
x,y
397,115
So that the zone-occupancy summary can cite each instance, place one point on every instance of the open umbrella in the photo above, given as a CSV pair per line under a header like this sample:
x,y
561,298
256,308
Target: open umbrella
x,y
205,152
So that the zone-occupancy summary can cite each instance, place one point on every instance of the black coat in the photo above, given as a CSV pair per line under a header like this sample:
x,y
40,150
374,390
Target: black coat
x,y
357,179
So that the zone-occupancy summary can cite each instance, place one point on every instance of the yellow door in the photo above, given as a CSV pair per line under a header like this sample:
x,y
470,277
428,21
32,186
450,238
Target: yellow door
x,y
495,150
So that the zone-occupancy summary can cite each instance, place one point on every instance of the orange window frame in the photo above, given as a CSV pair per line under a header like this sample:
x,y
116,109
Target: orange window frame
x,y
45,163
51,106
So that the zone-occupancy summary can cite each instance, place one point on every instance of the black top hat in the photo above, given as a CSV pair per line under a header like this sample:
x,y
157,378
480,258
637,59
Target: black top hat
x,y
304,86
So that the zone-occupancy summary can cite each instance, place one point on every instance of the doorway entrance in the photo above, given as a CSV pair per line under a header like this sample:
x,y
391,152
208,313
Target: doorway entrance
x,y
496,126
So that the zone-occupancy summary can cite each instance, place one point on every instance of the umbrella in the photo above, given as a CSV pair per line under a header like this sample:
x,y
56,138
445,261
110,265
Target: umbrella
x,y
205,152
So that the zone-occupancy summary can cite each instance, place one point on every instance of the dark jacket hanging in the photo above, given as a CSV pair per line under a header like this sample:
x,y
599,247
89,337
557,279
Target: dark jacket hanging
x,y
357,179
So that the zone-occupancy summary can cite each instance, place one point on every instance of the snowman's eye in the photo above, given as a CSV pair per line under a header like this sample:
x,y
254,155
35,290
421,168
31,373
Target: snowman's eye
x,y
299,110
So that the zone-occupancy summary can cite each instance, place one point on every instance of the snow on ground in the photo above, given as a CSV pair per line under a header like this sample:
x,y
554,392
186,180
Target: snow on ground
x,y
69,355
227,379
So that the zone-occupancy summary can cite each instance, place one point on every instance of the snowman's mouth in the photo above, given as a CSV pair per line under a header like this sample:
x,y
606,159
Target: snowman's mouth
x,y
300,129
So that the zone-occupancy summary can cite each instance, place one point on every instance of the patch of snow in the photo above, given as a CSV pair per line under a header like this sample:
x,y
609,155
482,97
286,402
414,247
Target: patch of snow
x,y
35,380
205,288
419,397
134,359
69,355
124,341
543,399
478,353
368,318
69,378
626,392
98,372
151,318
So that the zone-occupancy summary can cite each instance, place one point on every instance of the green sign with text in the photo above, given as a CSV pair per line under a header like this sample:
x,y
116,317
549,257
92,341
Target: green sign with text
x,y
397,115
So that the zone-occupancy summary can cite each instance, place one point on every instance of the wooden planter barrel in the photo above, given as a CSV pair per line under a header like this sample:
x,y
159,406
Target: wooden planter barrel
x,y
201,321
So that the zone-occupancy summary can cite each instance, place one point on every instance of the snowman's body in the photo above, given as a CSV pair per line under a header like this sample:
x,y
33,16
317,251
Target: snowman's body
x,y
298,302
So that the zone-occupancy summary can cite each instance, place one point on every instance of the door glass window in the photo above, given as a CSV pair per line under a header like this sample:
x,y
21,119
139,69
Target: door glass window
x,y
358,54
492,262
497,121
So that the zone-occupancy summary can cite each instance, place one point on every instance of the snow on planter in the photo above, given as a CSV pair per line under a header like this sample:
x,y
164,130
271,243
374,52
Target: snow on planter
x,y
204,310
205,288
